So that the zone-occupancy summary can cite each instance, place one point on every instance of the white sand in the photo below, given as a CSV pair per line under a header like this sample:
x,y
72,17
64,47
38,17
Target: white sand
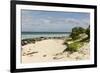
x,y
51,50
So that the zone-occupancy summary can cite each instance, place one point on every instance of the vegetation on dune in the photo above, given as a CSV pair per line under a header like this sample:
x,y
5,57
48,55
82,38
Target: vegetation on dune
x,y
77,39
88,32
76,32
73,47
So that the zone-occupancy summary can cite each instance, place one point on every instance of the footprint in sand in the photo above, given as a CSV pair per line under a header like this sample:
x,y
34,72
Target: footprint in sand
x,y
44,55
29,53
57,58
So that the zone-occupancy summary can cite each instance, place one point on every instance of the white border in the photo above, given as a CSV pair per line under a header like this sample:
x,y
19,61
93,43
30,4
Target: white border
x,y
51,64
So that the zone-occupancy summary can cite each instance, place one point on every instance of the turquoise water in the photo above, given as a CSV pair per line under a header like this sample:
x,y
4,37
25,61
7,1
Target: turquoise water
x,y
26,35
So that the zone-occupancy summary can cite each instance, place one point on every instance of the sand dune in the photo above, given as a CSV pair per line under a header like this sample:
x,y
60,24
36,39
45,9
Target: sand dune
x,y
51,50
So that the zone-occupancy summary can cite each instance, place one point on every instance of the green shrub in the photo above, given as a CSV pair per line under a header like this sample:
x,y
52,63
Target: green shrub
x,y
85,40
76,31
77,40
88,32
74,46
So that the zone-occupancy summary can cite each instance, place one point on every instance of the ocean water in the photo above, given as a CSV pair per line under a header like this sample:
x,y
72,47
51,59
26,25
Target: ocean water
x,y
26,35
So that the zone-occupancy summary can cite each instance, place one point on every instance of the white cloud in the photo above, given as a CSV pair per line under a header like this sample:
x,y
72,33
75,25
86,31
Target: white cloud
x,y
36,24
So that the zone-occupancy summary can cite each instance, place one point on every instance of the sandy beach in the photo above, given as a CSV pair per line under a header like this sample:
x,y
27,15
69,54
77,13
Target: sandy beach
x,y
51,50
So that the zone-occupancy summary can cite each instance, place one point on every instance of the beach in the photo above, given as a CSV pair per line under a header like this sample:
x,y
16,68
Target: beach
x,y
54,36
51,50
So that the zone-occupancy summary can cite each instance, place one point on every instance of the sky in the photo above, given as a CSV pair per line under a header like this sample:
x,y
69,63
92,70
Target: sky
x,y
52,21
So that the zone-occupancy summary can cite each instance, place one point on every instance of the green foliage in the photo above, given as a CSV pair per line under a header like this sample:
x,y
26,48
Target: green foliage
x,y
85,40
73,47
77,39
88,32
76,31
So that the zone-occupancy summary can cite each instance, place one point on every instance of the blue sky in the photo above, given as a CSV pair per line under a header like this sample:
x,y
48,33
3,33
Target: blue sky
x,y
52,21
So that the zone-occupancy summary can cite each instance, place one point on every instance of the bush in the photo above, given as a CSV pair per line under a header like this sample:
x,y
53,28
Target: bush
x,y
85,40
72,44
88,32
76,31
73,47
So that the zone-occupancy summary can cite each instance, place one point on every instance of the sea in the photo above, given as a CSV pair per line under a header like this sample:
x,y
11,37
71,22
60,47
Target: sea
x,y
27,35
